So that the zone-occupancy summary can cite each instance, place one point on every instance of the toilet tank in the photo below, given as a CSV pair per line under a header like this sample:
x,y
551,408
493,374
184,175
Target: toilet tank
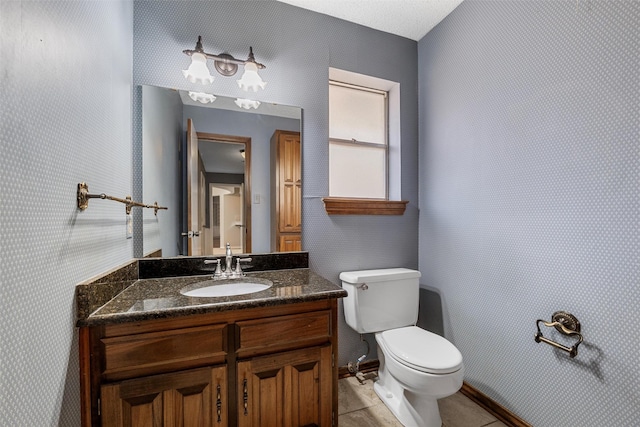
x,y
381,299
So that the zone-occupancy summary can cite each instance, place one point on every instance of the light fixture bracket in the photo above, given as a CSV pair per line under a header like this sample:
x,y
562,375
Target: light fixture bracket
x,y
226,65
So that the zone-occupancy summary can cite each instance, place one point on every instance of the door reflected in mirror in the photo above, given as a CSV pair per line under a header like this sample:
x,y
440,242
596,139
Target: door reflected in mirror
x,y
224,202
218,192
216,167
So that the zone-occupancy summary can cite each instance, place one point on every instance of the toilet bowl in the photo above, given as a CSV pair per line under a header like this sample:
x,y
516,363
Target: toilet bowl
x,y
417,367
412,379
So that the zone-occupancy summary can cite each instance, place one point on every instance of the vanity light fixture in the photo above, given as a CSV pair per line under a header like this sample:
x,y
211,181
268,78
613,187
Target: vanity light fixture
x,y
226,65
247,104
198,71
242,153
202,97
250,78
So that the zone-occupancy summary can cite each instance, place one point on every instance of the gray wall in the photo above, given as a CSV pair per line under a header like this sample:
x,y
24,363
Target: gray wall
x,y
529,200
298,47
162,137
65,117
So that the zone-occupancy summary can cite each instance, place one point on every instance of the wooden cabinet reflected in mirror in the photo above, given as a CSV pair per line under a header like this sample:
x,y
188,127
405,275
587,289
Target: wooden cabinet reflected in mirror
x,y
286,192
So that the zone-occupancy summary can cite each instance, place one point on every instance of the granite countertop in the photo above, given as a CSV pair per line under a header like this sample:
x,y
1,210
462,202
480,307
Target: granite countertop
x,y
158,298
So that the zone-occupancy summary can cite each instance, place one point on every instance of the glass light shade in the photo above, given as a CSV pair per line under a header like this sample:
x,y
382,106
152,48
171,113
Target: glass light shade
x,y
204,98
250,79
198,71
247,104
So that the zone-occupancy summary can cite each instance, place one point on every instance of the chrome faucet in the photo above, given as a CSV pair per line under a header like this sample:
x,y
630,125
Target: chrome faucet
x,y
229,272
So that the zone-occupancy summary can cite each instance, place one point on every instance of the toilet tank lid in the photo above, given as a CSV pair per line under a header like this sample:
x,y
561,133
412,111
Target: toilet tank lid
x,y
378,275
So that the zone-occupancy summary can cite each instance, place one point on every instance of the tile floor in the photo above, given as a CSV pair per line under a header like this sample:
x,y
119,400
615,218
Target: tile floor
x,y
358,406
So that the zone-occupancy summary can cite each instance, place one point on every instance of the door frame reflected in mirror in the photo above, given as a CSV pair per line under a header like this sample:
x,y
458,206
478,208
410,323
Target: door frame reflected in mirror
x,y
246,141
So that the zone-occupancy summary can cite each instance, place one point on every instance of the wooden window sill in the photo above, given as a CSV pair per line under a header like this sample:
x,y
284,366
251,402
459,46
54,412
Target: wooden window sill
x,y
348,206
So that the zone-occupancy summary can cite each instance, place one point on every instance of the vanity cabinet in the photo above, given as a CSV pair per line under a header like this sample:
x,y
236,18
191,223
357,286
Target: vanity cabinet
x,y
263,366
286,191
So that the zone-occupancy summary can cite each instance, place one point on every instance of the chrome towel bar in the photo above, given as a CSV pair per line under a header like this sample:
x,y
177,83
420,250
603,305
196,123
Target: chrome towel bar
x,y
84,196
566,324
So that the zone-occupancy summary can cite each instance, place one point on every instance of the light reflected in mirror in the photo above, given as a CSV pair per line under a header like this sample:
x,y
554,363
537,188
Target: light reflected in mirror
x,y
220,176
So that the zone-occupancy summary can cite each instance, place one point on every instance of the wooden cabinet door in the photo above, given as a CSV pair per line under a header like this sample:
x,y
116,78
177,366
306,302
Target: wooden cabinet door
x,y
290,175
286,189
286,389
290,243
195,398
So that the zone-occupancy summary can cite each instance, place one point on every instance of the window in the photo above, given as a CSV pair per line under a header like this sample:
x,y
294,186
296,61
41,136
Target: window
x,y
364,145
358,146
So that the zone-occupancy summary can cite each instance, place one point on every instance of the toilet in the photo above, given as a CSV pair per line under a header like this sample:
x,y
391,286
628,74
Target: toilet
x,y
417,367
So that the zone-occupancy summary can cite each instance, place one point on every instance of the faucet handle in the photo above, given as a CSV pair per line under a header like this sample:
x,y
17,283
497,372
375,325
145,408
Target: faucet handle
x,y
238,271
218,273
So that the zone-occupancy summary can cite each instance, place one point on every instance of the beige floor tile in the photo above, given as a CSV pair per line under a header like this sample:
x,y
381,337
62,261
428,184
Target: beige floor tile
x,y
460,411
353,396
358,405
383,415
354,419
373,416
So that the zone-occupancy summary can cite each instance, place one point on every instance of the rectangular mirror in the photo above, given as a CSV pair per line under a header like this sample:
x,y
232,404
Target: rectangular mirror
x,y
227,174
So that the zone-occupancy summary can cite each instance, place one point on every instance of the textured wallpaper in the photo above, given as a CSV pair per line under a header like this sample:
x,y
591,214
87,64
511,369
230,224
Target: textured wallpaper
x,y
65,117
530,200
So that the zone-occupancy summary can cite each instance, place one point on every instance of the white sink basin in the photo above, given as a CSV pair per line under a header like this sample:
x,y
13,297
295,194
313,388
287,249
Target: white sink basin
x,y
227,289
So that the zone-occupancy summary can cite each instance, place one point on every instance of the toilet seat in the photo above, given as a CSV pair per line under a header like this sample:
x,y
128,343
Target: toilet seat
x,y
421,350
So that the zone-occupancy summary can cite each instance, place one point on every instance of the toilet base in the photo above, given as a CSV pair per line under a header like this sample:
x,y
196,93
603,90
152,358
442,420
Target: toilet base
x,y
410,408
424,414
410,394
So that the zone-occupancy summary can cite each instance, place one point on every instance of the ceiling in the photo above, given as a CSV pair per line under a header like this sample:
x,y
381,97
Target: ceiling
x,y
407,18
221,157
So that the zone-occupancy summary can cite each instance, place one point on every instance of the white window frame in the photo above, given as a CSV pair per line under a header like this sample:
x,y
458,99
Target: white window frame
x,y
393,122
379,146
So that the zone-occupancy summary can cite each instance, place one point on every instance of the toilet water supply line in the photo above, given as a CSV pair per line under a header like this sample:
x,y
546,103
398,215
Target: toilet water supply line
x,y
350,366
